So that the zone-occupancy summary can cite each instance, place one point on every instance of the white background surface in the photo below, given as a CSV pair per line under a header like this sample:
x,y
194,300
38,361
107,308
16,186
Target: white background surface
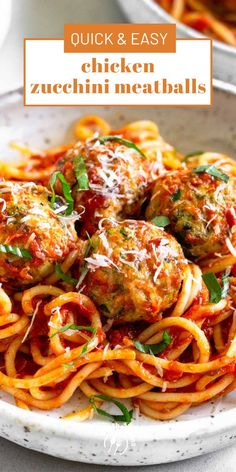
x,y
46,18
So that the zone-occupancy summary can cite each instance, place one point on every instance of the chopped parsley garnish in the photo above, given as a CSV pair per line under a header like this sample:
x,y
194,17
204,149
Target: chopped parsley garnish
x,y
81,173
126,416
176,195
126,142
74,327
213,171
16,251
154,348
66,192
215,290
161,221
63,276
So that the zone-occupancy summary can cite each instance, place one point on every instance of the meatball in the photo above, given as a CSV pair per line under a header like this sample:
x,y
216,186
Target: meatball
x,y
117,180
135,270
200,207
32,236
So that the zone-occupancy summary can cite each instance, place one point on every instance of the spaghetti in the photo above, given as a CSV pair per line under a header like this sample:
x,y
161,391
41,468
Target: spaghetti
x,y
119,312
216,19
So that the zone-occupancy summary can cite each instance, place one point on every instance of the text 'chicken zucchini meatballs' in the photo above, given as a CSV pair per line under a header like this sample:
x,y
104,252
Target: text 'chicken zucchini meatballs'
x,y
135,270
32,236
200,204
110,177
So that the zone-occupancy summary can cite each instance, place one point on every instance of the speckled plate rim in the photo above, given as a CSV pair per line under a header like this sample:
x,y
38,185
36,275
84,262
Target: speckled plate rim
x,y
211,425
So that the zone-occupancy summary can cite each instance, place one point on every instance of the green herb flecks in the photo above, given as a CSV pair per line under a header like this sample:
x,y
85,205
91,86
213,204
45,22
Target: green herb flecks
x,y
69,366
161,221
176,195
16,251
192,154
126,416
213,171
124,233
89,246
74,327
126,142
154,348
66,192
86,346
81,173
63,276
215,290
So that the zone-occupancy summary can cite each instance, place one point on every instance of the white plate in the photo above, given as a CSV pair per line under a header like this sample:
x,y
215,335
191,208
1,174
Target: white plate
x,y
202,429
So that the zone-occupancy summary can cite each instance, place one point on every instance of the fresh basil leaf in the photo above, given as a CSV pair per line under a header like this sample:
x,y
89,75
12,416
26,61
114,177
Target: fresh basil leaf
x,y
79,328
176,195
126,142
126,416
16,251
74,327
192,154
87,249
81,173
66,277
154,348
161,221
213,171
213,287
66,191
85,347
89,246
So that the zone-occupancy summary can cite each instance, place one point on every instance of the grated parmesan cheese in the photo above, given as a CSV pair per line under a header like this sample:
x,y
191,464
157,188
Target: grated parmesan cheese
x,y
81,278
105,351
160,370
164,387
157,273
31,322
105,243
230,247
99,260
111,220
139,256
